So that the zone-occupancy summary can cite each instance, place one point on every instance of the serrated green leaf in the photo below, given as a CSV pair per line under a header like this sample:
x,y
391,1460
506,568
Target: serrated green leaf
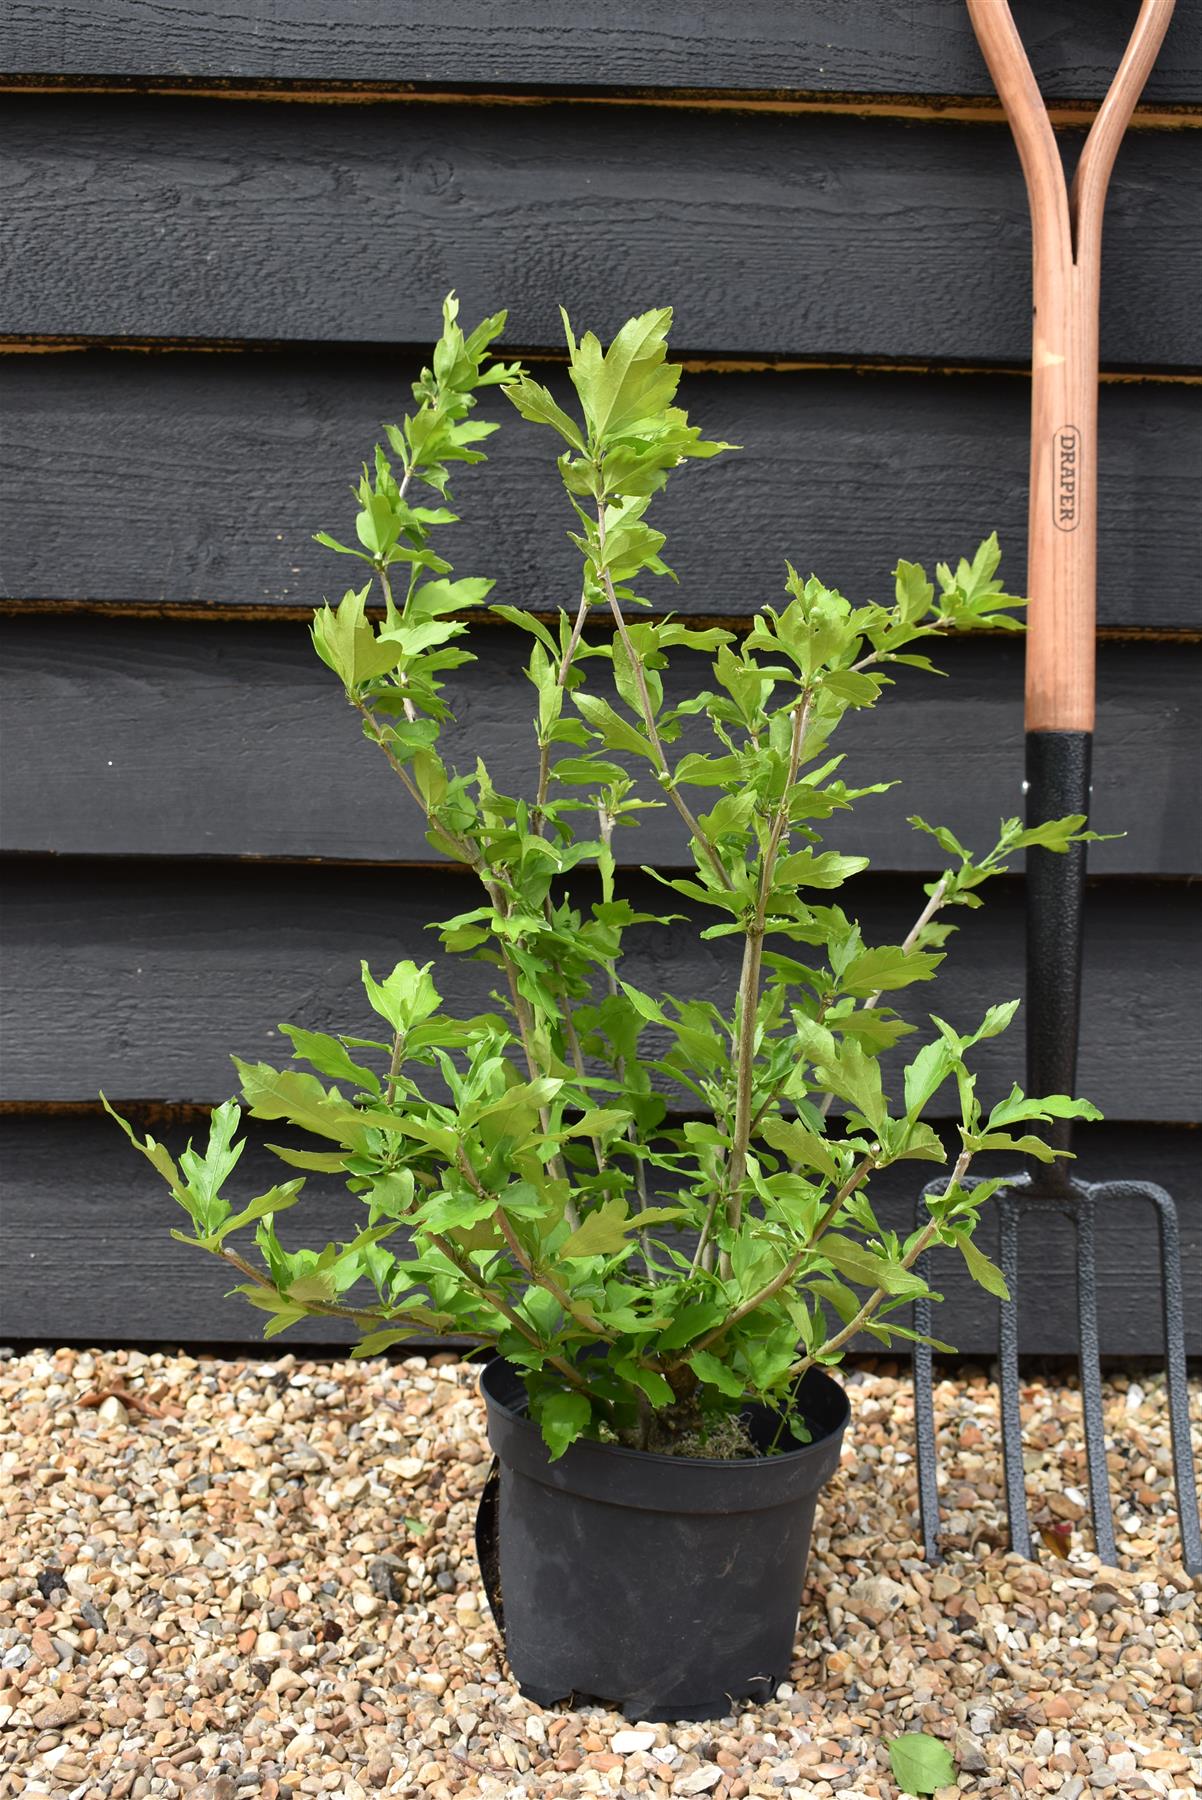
x,y
534,402
405,997
562,1418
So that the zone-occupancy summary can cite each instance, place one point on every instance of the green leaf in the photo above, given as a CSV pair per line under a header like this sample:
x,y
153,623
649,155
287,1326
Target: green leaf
x,y
708,1368
921,1764
629,381
856,689
1017,1106
985,1273
346,641
616,733
330,1057
947,840
1028,1145
276,1199
156,1154
886,968
802,1146
691,1322
301,1099
206,1174
859,1264
406,997
535,403
513,615
597,1121
927,1074
655,1215
829,870
378,1341
602,1233
320,1162
856,1078
318,1285
912,591
1054,834
562,1418
649,1381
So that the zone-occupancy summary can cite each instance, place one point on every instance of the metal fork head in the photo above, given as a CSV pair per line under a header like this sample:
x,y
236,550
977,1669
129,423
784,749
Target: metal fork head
x,y
1080,1202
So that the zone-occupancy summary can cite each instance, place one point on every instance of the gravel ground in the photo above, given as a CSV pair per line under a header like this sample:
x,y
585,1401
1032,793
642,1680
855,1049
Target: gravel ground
x,y
209,1586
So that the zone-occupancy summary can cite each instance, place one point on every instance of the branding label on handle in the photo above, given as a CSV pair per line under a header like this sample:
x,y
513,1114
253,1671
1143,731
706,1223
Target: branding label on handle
x,y
1066,480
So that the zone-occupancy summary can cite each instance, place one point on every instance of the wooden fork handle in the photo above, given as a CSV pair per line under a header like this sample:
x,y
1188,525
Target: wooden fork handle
x,y
1066,233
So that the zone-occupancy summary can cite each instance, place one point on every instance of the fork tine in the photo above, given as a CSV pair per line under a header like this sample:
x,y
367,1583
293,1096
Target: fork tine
x,y
924,1420
1175,1375
1012,1427
1090,1366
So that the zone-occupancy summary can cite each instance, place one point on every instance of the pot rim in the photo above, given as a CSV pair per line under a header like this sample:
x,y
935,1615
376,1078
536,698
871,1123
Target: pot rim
x,y
816,1377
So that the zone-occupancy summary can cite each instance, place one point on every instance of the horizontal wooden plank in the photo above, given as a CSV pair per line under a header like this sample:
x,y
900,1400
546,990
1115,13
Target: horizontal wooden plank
x,y
758,46
773,235
88,1256
183,740
198,480
144,977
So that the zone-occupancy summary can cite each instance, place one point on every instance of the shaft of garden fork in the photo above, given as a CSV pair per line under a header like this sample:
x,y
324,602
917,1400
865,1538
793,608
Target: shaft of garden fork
x,y
1066,231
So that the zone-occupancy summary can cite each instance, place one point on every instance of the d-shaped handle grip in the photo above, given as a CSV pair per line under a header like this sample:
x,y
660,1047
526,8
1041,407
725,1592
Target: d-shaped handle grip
x,y
1066,233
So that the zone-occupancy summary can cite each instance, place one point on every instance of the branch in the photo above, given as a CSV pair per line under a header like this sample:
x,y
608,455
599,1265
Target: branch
x,y
394,1065
934,902
544,750
539,1277
790,1269
699,1257
849,1187
515,1318
645,707
749,984
402,679
605,824
326,1308
874,1299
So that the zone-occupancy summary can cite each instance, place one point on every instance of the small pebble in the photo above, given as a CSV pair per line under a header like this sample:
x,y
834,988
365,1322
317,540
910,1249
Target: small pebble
x,y
625,1743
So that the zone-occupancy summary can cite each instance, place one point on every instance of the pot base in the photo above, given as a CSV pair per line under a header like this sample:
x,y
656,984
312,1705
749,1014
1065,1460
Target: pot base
x,y
723,1707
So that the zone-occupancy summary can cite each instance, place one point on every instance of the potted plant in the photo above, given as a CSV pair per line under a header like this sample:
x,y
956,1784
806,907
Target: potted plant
x,y
647,1204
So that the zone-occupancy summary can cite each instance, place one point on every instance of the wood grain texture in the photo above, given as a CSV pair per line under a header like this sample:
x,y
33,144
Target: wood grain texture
x,y
199,479
172,738
1066,229
758,46
804,236
143,977
89,1259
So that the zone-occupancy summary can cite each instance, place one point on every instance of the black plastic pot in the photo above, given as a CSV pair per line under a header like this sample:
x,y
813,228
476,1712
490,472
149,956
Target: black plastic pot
x,y
666,1586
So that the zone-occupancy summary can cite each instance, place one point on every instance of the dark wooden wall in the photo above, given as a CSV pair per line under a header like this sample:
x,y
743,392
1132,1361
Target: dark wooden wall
x,y
227,226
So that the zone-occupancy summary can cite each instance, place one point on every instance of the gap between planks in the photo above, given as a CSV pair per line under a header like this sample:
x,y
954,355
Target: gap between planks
x,y
220,612
34,344
959,109
152,1113
117,859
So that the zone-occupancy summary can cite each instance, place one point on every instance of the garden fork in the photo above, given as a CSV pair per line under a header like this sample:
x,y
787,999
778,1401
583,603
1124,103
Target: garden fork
x,y
1066,227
